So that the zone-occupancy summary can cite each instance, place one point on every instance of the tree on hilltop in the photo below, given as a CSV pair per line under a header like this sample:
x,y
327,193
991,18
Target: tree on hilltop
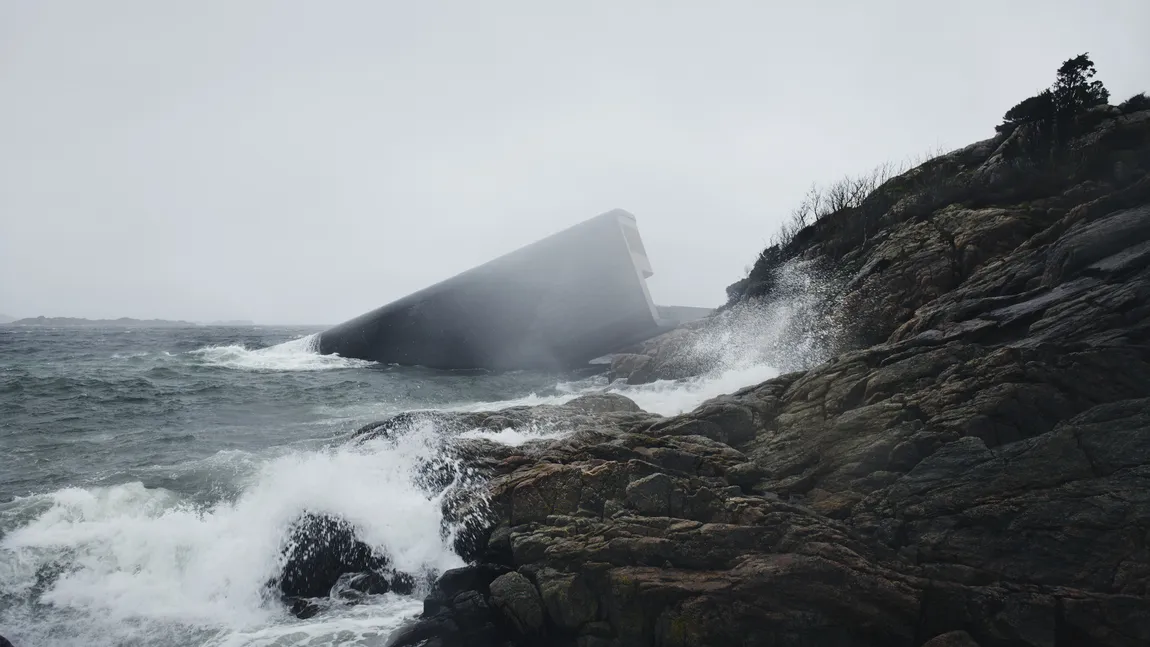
x,y
1074,92
1074,89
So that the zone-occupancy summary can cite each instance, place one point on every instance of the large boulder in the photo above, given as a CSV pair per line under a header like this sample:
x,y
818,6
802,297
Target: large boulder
x,y
323,551
518,600
459,612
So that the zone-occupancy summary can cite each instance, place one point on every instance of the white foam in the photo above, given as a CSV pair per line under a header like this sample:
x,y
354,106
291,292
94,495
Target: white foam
x,y
670,397
664,397
143,563
296,355
132,355
513,437
359,625
529,400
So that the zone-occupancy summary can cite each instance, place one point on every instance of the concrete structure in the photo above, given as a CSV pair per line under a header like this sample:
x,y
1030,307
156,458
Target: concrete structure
x,y
556,303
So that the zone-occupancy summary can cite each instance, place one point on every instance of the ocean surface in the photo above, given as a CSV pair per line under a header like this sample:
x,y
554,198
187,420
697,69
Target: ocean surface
x,y
148,477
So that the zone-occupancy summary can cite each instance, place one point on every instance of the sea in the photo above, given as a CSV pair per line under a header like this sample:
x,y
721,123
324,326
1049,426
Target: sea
x,y
148,476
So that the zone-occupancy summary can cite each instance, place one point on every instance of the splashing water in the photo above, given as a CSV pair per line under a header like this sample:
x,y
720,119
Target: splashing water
x,y
664,397
672,397
133,565
515,437
142,565
796,328
297,355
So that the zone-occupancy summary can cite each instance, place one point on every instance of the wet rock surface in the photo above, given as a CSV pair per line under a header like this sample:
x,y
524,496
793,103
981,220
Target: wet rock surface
x,y
323,558
979,476
320,549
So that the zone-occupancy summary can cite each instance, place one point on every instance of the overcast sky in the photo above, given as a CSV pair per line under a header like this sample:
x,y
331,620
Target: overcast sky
x,y
302,162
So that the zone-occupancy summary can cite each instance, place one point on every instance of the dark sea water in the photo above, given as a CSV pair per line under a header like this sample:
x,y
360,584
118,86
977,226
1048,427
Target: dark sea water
x,y
147,477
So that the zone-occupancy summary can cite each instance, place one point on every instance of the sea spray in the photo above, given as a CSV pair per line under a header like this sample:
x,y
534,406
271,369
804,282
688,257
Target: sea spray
x,y
797,326
794,327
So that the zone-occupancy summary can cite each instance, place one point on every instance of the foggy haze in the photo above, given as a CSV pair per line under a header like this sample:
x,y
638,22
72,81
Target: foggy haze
x,y
300,162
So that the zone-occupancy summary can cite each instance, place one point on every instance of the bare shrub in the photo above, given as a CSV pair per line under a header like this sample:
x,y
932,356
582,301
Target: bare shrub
x,y
850,192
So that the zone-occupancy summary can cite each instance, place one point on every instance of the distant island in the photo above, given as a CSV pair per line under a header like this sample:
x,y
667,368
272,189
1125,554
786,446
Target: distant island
x,y
122,322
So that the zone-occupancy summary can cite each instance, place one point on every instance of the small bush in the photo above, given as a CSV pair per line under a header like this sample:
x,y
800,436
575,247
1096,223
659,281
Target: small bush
x,y
1135,103
1037,108
820,202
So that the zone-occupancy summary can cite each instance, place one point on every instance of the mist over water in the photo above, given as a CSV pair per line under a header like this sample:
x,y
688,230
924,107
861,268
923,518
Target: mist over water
x,y
148,478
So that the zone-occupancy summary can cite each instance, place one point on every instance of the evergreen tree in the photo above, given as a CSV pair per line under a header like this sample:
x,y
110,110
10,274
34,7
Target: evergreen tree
x,y
1074,91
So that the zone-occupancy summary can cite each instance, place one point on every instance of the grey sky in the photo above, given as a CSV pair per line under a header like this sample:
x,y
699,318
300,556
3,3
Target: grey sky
x,y
308,161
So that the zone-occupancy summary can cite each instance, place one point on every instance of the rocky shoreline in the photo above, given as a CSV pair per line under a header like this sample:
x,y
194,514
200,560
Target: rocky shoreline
x,y
970,468
980,475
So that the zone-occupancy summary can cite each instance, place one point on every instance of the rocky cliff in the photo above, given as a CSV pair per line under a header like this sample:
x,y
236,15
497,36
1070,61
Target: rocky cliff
x,y
933,235
971,468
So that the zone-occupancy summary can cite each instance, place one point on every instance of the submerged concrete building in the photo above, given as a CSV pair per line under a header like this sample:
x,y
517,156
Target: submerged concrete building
x,y
556,303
